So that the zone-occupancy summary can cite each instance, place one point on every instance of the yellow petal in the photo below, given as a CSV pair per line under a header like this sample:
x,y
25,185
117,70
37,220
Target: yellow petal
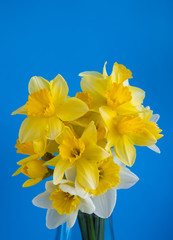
x,y
95,84
95,153
40,146
32,128
37,83
90,134
17,172
52,147
72,109
31,182
107,115
66,133
27,159
138,95
21,110
120,73
59,90
125,151
54,127
59,171
87,174
52,162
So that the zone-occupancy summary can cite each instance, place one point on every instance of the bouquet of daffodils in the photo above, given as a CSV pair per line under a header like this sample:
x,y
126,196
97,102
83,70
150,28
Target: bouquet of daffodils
x,y
84,143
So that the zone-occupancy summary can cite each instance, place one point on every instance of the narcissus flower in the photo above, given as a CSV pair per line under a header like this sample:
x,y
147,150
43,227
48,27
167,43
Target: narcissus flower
x,y
63,203
47,108
105,203
32,166
83,153
126,131
112,91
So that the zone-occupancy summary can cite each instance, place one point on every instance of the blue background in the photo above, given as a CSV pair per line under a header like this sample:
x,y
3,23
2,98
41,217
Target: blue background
x,y
45,38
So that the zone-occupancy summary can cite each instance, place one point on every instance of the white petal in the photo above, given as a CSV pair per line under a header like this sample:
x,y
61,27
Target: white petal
x,y
127,178
126,83
37,83
154,148
80,191
71,218
155,118
50,186
67,188
87,206
42,200
105,203
54,219
71,173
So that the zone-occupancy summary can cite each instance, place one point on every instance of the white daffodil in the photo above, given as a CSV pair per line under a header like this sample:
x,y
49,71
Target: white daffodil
x,y
63,203
105,203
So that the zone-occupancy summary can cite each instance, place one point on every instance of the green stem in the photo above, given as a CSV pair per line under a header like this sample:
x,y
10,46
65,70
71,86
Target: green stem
x,y
91,229
83,226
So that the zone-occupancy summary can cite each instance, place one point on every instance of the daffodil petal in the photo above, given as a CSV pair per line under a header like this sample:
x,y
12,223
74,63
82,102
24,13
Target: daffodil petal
x,y
72,109
154,148
155,118
42,200
31,182
125,151
18,171
104,70
71,218
39,146
54,127
105,203
138,95
91,74
67,132
54,219
50,186
32,128
37,83
87,174
27,159
67,188
21,110
127,178
80,191
59,90
87,206
71,173
95,152
90,134
52,162
146,138
107,115
95,84
59,171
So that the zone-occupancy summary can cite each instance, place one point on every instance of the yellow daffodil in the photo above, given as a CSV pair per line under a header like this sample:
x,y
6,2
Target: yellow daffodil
x,y
113,91
108,176
47,108
63,204
126,131
83,153
32,166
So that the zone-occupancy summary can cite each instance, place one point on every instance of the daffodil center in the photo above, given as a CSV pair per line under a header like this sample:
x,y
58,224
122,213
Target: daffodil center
x,y
85,97
71,148
108,176
64,202
130,125
40,104
118,95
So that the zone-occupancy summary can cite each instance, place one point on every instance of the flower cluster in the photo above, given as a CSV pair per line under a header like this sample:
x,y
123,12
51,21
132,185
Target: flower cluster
x,y
83,142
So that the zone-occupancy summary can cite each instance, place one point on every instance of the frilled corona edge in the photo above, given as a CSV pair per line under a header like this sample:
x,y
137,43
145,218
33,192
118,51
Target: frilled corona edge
x,y
84,142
